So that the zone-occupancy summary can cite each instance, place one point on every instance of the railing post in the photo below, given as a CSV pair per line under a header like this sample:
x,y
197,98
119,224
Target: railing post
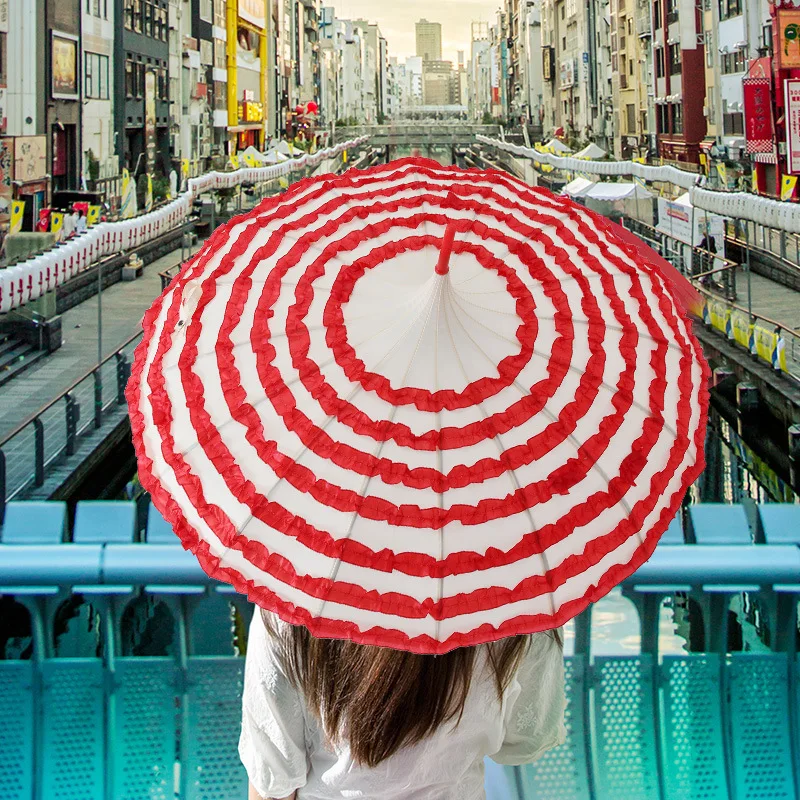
x,y
38,443
783,245
73,415
123,375
2,487
98,397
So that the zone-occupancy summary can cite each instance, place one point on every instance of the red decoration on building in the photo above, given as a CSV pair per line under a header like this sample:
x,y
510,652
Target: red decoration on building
x,y
759,128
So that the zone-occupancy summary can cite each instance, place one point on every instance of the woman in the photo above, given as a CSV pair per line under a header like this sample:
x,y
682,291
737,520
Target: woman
x,y
325,718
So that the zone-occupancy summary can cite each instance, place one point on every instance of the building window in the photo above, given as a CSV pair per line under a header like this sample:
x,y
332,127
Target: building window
x,y
766,38
672,11
729,8
660,62
677,118
657,14
630,112
134,79
97,8
733,62
662,119
675,64
95,76
733,124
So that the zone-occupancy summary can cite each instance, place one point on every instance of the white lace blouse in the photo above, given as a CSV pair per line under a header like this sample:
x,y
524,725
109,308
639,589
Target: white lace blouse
x,y
283,747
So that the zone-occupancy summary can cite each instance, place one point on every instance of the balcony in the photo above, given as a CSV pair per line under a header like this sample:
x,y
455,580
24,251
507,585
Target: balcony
x,y
643,28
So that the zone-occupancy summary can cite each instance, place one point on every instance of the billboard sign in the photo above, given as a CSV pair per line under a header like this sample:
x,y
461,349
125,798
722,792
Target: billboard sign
x,y
791,90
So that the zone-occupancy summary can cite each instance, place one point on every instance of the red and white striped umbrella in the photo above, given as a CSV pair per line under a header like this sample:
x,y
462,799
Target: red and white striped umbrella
x,y
419,407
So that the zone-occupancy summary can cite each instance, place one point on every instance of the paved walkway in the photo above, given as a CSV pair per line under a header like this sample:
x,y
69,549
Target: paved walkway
x,y
124,305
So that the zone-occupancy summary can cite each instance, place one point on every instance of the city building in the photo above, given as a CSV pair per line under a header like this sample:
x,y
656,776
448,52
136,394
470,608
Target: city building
x,y
63,90
23,149
429,40
98,139
218,86
632,80
679,80
248,63
480,72
141,85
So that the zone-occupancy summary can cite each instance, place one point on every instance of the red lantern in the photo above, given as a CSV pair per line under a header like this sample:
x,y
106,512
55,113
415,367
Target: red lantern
x,y
312,107
299,110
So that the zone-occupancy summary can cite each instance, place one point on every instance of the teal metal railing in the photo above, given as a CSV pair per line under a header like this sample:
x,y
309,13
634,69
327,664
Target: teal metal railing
x,y
121,667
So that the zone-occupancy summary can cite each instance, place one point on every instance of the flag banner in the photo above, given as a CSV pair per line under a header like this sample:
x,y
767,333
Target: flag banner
x,y
17,215
788,184
93,215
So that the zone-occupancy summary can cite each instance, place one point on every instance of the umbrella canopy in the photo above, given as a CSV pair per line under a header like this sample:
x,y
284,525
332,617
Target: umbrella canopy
x,y
591,151
577,187
419,407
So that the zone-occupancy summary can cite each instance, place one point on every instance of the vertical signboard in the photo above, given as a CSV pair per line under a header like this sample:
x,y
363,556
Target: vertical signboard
x,y
150,117
791,89
758,114
787,47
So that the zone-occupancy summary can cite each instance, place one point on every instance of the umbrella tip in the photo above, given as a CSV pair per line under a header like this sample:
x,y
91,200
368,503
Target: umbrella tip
x,y
443,265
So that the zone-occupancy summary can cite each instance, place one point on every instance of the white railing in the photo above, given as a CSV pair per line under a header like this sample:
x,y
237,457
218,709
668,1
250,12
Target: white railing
x,y
30,279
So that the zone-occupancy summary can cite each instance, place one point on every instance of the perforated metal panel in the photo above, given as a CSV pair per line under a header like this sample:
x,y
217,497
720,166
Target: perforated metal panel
x,y
73,723
560,774
758,690
213,768
624,737
143,743
16,730
692,750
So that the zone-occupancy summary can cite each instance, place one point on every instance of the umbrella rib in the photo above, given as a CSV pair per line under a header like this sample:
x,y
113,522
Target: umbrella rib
x,y
547,413
547,357
500,449
354,517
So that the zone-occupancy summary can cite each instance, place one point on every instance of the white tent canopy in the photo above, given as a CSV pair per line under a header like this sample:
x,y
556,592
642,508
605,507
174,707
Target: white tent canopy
x,y
618,191
578,187
591,151
557,146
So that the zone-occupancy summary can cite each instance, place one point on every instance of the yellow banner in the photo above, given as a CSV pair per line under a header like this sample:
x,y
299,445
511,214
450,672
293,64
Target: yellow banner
x,y
17,214
148,198
128,207
344,156
741,329
56,223
251,160
754,180
185,167
722,171
768,345
235,162
788,183
719,314
283,182
93,217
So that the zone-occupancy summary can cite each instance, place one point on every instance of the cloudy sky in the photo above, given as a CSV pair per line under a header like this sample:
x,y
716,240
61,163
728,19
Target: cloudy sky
x,y
397,17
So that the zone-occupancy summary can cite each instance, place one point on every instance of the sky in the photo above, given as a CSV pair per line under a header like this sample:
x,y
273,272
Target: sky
x,y
396,19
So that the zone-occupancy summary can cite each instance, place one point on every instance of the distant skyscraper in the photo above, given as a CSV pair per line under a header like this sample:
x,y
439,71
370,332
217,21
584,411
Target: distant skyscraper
x,y
429,40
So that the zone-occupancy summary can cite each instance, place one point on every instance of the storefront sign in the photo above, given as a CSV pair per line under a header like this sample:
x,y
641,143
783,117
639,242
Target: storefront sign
x,y
254,11
759,130
150,117
787,48
548,64
791,89
30,158
64,56
567,77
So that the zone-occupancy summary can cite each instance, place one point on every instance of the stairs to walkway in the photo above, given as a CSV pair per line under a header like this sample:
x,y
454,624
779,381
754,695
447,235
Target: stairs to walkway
x,y
16,356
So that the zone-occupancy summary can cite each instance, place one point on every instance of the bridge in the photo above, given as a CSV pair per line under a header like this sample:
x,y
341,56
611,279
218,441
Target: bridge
x,y
423,136
107,626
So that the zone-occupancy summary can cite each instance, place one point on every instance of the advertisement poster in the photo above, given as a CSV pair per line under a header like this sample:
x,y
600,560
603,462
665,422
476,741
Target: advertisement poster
x,y
65,65
787,48
791,89
30,158
150,117
758,114
254,11
6,176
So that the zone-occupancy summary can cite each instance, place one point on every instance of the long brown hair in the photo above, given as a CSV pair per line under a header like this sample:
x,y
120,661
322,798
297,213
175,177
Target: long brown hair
x,y
380,700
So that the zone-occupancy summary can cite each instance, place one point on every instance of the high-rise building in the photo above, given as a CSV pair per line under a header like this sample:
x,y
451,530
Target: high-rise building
x,y
429,40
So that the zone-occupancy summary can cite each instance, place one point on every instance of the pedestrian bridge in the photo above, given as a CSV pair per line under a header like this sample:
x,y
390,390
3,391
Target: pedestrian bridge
x,y
419,134
121,666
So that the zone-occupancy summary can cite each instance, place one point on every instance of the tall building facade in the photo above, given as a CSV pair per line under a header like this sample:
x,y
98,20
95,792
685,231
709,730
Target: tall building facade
x,y
141,84
679,80
429,40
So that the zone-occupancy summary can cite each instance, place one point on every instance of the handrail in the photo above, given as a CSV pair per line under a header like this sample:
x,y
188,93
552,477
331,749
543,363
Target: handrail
x,y
31,417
